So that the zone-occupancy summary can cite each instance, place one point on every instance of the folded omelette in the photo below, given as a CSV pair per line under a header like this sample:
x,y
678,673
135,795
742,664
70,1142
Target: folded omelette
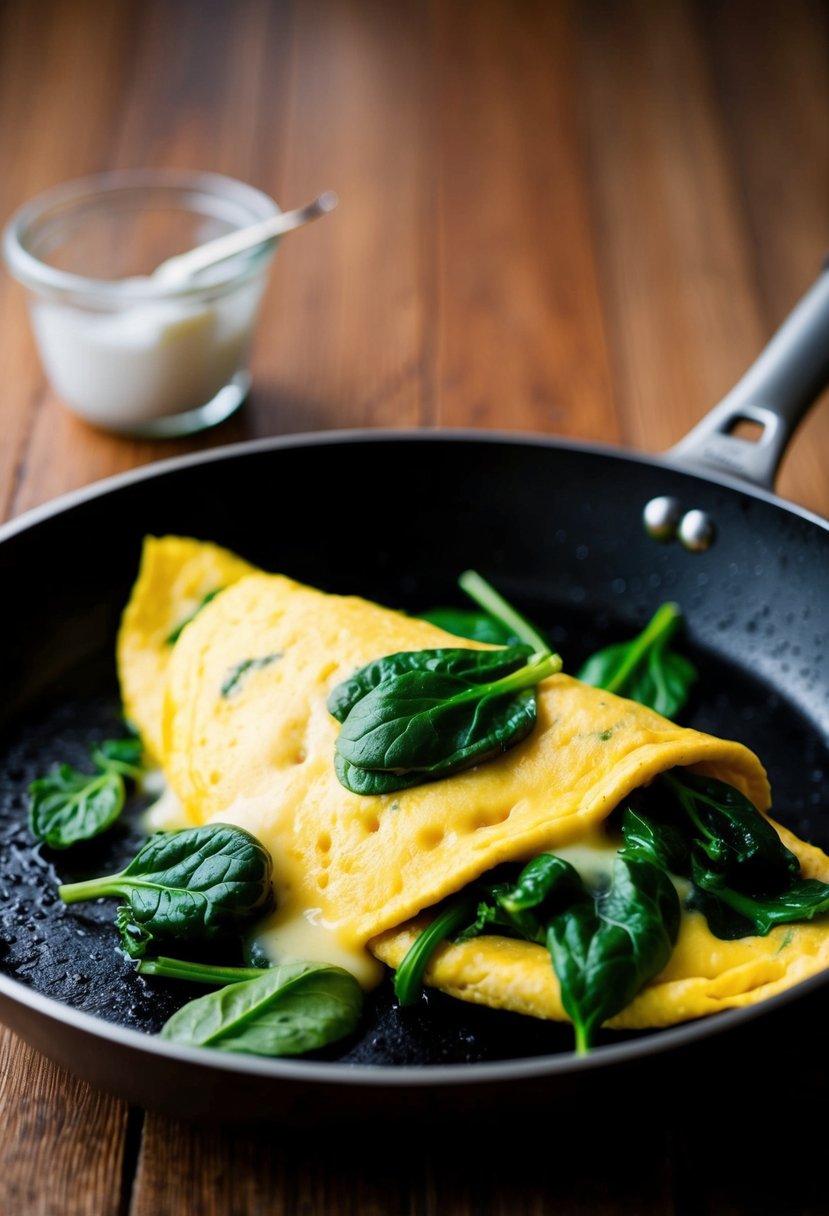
x,y
225,671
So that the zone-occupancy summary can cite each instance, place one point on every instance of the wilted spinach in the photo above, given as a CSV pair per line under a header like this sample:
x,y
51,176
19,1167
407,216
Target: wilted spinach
x,y
68,806
175,634
415,716
235,676
285,1010
745,880
198,884
605,944
647,668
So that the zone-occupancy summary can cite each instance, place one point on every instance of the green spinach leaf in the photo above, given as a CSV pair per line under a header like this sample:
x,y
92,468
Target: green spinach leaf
x,y
731,914
476,666
604,950
732,843
200,883
288,1010
424,724
467,623
519,904
68,806
745,880
652,840
235,677
647,668
605,944
176,633
416,716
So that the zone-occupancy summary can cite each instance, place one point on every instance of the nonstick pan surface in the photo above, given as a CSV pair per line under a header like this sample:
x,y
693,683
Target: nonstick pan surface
x,y
395,517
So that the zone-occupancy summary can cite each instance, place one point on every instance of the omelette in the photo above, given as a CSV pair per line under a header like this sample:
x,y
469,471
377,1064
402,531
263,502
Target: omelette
x,y
226,670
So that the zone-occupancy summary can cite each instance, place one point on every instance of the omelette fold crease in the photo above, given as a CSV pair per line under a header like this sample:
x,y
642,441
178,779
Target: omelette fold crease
x,y
235,712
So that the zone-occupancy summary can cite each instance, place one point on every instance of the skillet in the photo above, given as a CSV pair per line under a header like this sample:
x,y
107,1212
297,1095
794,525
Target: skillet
x,y
395,516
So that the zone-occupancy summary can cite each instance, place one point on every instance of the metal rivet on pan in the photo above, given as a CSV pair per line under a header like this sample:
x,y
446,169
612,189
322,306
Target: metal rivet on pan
x,y
696,531
661,517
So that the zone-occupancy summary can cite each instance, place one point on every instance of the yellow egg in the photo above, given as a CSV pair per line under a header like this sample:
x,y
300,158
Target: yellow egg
x,y
175,576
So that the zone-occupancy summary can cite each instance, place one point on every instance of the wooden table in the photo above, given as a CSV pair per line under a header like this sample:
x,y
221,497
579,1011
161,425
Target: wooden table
x,y
583,219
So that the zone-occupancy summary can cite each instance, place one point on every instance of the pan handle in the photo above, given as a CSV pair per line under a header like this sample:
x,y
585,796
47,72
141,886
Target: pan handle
x,y
784,381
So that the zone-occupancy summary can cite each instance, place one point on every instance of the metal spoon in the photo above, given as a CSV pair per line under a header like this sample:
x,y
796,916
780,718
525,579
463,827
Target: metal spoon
x,y
178,269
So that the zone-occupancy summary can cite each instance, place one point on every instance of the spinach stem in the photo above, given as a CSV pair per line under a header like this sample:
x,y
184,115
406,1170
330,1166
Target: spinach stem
x,y
199,973
659,628
536,669
408,979
90,888
485,595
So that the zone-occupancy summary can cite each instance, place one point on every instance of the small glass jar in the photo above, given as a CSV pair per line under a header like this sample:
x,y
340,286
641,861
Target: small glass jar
x,y
126,353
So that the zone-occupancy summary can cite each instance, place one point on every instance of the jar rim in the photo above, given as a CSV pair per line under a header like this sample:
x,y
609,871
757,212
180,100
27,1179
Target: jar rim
x,y
39,276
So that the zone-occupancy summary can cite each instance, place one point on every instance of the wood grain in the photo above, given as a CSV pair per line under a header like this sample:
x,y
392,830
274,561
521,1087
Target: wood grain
x,y
63,1143
581,218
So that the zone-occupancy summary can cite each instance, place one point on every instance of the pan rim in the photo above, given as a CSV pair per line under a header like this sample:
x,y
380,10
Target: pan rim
x,y
400,1077
305,439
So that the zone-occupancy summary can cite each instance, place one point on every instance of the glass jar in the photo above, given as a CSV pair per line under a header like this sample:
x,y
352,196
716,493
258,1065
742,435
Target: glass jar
x,y
124,352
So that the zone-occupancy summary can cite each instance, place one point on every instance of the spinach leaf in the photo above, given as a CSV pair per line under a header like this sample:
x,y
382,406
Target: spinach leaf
x,y
545,884
196,884
465,664
424,724
467,623
287,1010
235,677
646,669
732,914
731,842
416,716
745,880
496,906
69,806
604,950
604,944
175,634
651,840
521,908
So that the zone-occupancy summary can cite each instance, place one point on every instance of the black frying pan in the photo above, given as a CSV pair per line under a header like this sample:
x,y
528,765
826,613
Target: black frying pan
x,y
395,516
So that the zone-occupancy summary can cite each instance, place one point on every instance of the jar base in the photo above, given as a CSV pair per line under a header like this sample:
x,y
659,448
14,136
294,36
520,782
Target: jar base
x,y
190,422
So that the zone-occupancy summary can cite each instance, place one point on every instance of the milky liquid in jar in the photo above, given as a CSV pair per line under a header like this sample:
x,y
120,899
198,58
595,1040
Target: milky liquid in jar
x,y
123,351
155,359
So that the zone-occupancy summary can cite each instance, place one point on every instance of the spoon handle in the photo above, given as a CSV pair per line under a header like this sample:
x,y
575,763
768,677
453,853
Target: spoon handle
x,y
182,266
